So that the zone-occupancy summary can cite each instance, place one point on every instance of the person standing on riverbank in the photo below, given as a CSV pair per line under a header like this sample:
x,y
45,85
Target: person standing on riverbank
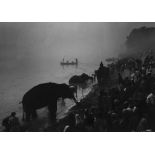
x,y
11,123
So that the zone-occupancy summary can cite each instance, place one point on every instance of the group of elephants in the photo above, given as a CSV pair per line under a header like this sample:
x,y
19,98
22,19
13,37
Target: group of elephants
x,y
47,94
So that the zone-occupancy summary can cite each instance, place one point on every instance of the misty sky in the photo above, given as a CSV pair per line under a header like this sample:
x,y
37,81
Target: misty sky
x,y
36,44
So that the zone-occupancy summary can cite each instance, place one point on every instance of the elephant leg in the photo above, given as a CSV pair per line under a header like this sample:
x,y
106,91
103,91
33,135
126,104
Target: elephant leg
x,y
63,102
52,112
34,114
76,92
82,93
76,96
28,114
23,118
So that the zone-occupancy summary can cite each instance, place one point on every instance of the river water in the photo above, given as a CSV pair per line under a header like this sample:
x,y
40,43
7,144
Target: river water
x,y
14,84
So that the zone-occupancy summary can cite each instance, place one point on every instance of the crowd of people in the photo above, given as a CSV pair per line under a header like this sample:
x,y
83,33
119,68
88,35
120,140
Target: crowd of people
x,y
129,106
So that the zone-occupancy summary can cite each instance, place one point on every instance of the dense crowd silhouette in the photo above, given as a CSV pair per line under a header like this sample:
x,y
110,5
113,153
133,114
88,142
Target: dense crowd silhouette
x,y
127,105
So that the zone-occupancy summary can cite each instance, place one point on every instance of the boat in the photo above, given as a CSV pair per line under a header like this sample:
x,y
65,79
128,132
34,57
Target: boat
x,y
69,63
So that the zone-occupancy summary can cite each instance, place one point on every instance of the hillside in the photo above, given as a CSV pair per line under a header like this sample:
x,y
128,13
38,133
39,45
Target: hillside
x,y
140,40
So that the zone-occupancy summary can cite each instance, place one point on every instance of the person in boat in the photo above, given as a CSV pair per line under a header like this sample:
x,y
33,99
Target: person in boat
x,y
76,61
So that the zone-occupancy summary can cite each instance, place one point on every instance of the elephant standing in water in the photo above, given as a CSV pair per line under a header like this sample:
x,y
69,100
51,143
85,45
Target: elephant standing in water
x,y
43,95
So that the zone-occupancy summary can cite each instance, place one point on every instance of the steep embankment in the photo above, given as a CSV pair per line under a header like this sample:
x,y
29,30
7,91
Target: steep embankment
x,y
90,100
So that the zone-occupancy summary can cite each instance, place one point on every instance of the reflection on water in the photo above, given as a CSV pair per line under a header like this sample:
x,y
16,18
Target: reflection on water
x,y
70,66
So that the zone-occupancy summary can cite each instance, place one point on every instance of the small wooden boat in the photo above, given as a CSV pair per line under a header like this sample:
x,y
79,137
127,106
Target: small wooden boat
x,y
69,63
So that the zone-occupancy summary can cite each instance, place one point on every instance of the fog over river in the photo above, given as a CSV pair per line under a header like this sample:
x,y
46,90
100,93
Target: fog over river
x,y
30,53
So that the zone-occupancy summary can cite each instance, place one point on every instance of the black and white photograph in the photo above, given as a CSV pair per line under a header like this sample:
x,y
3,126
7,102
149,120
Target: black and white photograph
x,y
77,76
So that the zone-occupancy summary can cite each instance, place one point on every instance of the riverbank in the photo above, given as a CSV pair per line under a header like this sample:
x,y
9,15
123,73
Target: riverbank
x,y
90,101
42,123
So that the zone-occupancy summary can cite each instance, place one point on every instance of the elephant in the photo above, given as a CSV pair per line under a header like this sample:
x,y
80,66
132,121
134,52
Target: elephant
x,y
43,95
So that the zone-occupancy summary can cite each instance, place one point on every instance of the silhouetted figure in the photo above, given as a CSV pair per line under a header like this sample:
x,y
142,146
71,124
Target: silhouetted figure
x,y
101,65
76,61
6,124
102,73
11,123
14,123
120,79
